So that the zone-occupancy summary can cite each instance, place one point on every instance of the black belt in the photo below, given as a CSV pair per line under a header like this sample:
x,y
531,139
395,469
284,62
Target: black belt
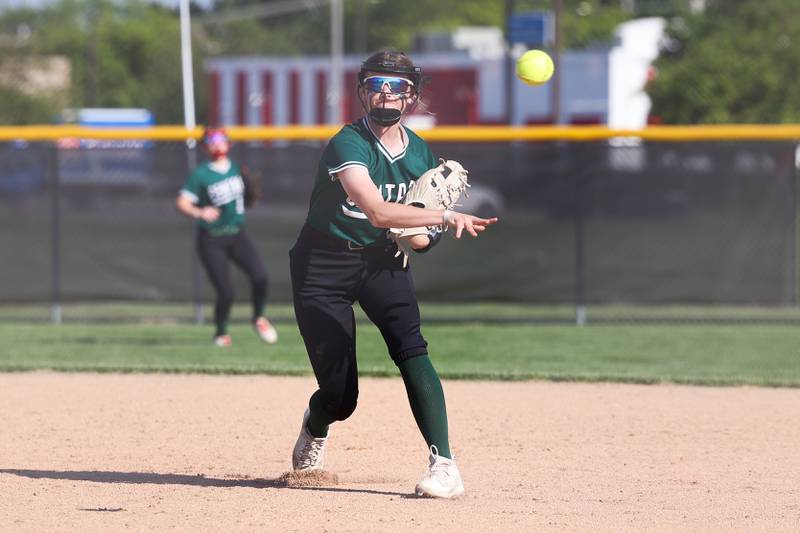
x,y
326,240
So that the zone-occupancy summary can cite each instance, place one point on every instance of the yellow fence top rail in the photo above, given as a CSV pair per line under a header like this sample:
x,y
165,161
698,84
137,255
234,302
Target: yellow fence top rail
x,y
441,133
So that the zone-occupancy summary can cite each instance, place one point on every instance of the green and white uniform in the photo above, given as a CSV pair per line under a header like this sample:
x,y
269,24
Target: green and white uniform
x,y
329,276
223,190
224,241
331,211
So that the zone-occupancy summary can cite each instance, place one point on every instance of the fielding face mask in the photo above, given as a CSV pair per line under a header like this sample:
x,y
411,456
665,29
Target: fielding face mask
x,y
394,85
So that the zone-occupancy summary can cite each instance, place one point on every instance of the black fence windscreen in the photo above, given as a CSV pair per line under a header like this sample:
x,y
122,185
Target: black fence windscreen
x,y
588,223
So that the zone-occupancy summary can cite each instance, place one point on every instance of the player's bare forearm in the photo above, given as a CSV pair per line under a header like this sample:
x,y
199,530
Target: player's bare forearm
x,y
185,206
393,215
382,214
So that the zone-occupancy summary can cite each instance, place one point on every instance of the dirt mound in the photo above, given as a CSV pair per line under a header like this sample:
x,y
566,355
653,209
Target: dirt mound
x,y
308,478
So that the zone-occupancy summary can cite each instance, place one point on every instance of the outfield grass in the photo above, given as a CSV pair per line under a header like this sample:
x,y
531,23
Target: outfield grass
x,y
177,313
702,353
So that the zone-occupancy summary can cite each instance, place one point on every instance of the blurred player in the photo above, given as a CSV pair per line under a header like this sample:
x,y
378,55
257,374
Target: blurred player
x,y
215,195
343,255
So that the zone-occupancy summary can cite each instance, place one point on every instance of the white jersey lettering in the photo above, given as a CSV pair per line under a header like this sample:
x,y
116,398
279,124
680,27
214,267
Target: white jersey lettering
x,y
401,191
226,191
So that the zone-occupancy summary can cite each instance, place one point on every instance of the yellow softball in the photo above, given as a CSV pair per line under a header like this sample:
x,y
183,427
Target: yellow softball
x,y
535,67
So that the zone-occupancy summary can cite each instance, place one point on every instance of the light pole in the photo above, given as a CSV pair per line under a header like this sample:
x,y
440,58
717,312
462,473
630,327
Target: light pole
x,y
187,74
186,66
337,68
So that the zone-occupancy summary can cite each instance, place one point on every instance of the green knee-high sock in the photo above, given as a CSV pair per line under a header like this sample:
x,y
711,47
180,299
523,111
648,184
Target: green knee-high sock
x,y
318,419
427,401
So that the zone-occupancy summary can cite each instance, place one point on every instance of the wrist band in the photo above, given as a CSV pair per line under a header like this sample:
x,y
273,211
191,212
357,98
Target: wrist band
x,y
447,217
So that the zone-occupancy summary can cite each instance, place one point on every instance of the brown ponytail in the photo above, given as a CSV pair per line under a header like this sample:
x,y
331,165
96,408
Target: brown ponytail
x,y
252,187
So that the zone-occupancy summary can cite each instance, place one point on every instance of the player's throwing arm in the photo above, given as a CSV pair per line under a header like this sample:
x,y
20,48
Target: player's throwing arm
x,y
424,213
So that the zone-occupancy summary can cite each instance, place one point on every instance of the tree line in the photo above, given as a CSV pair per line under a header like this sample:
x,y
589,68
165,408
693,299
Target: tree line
x,y
126,54
734,62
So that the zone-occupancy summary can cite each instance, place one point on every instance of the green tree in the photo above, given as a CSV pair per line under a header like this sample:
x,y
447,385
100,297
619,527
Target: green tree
x,y
735,63
590,23
300,32
128,53
17,107
374,24
584,23
121,55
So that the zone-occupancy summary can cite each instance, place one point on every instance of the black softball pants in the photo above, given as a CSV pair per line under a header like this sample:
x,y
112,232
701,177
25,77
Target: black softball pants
x,y
216,253
327,279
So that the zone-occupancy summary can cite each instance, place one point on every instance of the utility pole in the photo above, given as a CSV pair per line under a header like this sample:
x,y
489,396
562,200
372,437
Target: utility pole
x,y
555,94
91,56
361,29
509,63
336,78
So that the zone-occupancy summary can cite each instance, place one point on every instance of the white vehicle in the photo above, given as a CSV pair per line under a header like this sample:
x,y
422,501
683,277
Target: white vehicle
x,y
482,202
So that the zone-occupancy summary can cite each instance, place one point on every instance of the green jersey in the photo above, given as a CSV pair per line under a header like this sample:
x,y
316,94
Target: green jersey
x,y
224,190
331,211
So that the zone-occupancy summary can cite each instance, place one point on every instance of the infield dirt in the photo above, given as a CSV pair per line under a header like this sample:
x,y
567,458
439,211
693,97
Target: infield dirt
x,y
153,452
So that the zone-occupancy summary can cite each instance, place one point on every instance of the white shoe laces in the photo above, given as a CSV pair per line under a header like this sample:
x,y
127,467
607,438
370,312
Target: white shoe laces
x,y
311,451
440,466
443,480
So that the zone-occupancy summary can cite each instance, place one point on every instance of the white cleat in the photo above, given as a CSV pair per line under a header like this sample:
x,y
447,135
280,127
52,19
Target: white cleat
x,y
309,451
443,480
223,341
265,331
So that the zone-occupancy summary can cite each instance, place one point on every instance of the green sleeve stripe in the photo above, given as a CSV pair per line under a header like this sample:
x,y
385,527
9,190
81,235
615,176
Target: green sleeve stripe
x,y
346,164
353,214
190,195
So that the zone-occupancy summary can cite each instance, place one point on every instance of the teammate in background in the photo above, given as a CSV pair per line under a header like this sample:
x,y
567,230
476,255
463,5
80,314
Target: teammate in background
x,y
215,195
343,255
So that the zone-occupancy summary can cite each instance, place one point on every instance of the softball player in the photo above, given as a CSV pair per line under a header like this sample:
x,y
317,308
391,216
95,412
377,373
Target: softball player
x,y
215,196
343,255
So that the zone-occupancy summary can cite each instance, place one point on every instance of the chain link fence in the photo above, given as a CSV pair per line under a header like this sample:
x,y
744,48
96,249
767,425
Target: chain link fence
x,y
583,224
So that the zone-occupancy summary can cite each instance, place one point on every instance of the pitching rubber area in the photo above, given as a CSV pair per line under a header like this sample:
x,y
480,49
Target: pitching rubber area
x,y
109,452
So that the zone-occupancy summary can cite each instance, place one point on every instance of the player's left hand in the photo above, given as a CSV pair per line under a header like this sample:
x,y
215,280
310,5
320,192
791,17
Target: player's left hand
x,y
209,213
416,242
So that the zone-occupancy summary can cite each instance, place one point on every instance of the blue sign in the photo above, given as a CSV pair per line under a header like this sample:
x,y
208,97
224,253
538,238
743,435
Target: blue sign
x,y
532,28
